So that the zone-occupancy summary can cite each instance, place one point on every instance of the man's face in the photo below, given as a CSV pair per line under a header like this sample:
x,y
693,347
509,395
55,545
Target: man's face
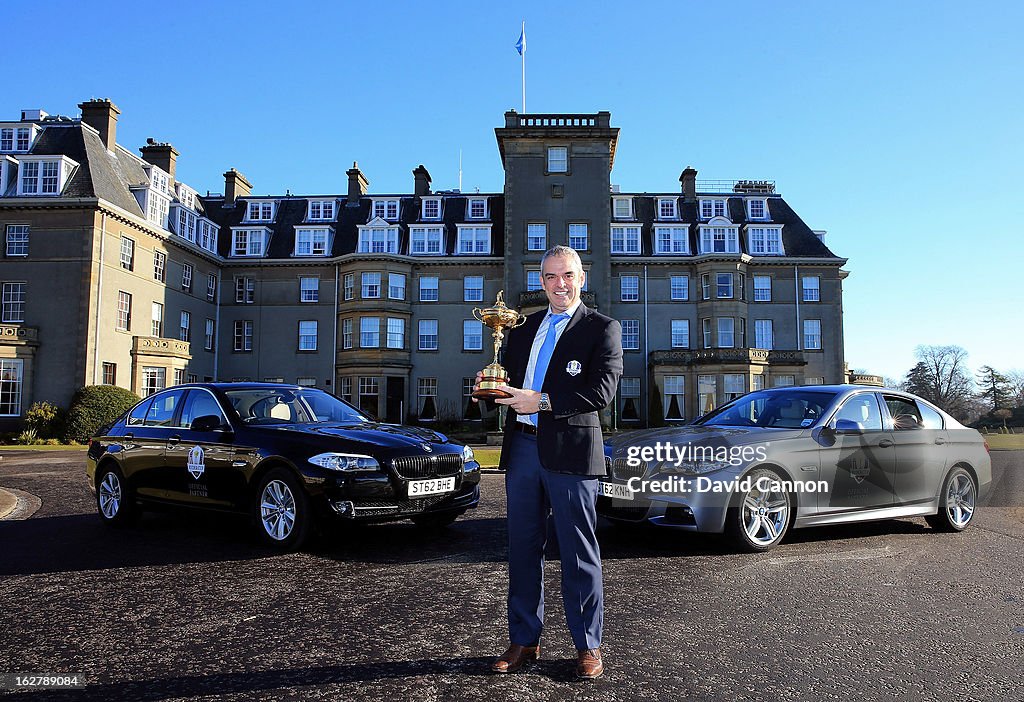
x,y
562,282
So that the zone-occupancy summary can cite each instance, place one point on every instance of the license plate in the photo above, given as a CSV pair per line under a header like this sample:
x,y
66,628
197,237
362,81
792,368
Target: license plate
x,y
616,490
418,488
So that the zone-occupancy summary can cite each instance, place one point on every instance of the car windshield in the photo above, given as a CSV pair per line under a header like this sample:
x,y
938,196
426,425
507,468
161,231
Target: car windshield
x,y
272,405
789,409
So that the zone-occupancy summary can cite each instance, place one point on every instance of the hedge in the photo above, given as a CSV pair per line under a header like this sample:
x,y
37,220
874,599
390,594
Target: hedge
x,y
94,406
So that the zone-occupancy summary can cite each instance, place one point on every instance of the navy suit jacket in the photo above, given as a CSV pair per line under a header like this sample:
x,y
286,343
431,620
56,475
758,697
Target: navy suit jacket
x,y
581,380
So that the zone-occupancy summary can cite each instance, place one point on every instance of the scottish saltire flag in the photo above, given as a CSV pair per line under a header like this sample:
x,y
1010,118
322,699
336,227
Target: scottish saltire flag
x,y
521,44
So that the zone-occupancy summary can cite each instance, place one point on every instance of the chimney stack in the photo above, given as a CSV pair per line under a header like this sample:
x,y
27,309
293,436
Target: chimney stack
x,y
357,185
421,181
160,154
235,186
689,180
101,115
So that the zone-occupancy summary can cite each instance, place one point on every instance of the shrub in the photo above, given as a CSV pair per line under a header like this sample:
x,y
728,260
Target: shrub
x,y
27,437
93,407
44,419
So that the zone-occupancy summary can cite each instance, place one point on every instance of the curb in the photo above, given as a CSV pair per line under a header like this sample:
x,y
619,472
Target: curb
x,y
17,504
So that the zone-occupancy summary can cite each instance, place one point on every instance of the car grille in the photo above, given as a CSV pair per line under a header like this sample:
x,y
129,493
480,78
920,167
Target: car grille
x,y
623,471
381,508
414,467
634,511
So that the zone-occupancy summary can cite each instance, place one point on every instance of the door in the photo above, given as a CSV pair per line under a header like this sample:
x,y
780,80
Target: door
x,y
200,453
395,400
920,449
141,450
859,464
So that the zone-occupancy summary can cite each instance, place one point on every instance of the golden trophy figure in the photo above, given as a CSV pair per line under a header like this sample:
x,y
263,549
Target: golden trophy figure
x,y
497,318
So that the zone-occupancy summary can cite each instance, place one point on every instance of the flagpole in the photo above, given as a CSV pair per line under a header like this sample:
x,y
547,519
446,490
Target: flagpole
x,y
524,66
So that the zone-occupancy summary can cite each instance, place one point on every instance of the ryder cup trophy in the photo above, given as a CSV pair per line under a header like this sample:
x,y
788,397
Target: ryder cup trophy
x,y
497,318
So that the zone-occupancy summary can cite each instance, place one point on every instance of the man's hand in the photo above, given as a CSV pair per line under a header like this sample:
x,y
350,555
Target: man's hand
x,y
476,385
522,401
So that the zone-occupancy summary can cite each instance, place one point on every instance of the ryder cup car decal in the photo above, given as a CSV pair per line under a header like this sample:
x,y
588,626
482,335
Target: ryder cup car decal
x,y
573,368
196,464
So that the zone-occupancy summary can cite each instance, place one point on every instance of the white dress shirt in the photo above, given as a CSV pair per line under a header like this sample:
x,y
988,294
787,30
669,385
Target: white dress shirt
x,y
538,341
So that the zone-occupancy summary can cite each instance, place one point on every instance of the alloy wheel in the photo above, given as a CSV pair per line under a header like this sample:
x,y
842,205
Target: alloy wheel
x,y
277,510
110,495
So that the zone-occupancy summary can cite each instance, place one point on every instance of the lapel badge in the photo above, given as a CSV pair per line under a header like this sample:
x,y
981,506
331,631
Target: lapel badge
x,y
573,368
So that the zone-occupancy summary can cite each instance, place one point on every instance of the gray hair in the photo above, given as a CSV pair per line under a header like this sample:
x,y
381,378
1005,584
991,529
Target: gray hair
x,y
562,252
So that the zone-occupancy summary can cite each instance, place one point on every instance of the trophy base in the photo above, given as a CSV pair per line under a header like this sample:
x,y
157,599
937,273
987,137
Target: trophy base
x,y
489,390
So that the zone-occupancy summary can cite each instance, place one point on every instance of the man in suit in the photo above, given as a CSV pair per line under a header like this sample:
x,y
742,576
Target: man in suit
x,y
564,365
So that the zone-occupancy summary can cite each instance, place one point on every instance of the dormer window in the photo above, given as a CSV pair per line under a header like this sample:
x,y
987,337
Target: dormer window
x,y
719,239
187,196
426,241
477,208
249,242
157,207
757,209
474,240
385,209
431,208
159,181
672,240
312,242
377,237
667,208
15,139
39,175
622,207
765,241
712,207
260,212
320,210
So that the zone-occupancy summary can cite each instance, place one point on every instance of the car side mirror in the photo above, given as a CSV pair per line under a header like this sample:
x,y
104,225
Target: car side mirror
x,y
208,422
848,426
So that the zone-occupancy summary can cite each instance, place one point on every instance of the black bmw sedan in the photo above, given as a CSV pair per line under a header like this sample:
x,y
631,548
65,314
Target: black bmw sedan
x,y
290,456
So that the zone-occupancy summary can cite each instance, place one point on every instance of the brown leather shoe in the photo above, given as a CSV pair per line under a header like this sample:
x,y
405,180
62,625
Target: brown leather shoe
x,y
515,658
589,664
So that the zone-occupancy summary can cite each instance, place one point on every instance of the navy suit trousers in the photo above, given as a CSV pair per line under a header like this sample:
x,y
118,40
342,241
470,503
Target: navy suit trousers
x,y
532,493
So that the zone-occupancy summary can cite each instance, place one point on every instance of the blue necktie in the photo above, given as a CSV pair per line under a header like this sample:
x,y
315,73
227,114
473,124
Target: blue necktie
x,y
544,357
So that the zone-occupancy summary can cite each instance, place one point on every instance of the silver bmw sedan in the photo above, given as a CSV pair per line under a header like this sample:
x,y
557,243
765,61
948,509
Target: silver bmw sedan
x,y
794,457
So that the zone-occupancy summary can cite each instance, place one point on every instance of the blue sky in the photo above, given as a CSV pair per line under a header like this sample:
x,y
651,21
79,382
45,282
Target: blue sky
x,y
894,126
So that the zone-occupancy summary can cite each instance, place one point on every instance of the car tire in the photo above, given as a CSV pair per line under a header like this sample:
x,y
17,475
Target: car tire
x,y
438,520
282,511
115,498
958,502
758,520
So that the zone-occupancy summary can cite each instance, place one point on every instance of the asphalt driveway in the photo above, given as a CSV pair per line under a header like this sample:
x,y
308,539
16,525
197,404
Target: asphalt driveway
x,y
187,606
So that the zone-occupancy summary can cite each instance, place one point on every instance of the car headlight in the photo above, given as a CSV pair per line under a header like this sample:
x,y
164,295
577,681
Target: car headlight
x,y
345,461
702,467
467,454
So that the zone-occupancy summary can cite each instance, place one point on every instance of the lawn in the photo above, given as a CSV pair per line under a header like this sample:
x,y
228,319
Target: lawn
x,y
1005,442
42,447
488,457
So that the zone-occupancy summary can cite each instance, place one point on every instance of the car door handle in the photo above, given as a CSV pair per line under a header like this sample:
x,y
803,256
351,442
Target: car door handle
x,y
939,440
173,440
885,443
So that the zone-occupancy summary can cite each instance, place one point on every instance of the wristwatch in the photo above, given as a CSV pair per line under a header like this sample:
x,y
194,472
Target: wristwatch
x,y
545,402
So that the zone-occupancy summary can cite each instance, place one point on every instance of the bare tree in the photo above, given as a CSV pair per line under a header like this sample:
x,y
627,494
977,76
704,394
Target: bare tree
x,y
941,376
1015,382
